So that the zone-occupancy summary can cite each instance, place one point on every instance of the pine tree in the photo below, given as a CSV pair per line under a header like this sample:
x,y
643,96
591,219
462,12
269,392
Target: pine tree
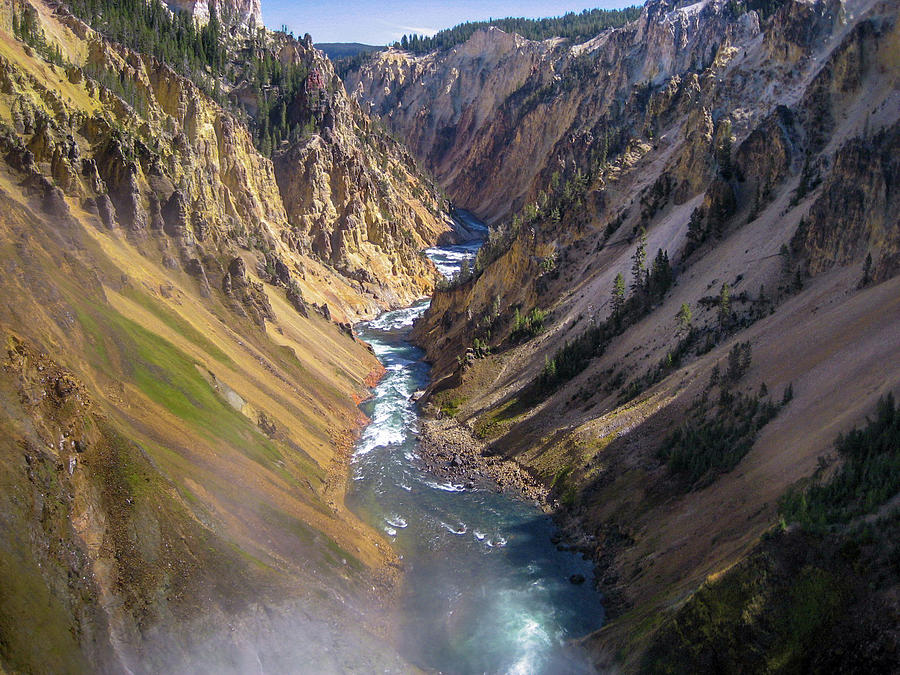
x,y
788,394
638,261
618,295
685,318
696,233
786,265
661,274
867,271
282,117
549,372
724,306
723,156
465,271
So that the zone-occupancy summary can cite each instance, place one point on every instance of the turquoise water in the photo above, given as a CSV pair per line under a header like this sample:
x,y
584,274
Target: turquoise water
x,y
484,589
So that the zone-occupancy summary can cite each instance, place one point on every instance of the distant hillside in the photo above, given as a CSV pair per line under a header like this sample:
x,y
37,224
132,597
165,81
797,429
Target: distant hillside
x,y
343,50
576,26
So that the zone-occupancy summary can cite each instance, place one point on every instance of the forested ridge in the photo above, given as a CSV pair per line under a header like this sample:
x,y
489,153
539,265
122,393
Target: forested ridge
x,y
575,26
222,62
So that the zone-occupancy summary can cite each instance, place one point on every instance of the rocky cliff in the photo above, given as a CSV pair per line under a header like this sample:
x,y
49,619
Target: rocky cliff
x,y
736,169
239,11
446,106
174,164
518,111
179,378
355,201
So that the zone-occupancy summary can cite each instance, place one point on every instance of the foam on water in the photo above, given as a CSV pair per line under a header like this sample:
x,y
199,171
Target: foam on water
x,y
397,521
396,320
532,636
460,529
444,487
449,260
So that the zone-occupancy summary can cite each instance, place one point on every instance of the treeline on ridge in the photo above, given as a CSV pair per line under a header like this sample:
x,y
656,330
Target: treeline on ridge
x,y
576,26
150,28
201,54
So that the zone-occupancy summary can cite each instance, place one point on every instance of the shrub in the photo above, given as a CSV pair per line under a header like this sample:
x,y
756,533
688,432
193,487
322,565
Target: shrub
x,y
574,355
869,477
527,326
715,437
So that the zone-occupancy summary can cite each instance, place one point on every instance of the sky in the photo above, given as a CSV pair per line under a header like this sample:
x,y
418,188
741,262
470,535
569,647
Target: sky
x,y
379,22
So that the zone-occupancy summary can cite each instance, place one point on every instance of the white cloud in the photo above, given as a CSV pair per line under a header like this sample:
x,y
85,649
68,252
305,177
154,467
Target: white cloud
x,y
418,31
397,31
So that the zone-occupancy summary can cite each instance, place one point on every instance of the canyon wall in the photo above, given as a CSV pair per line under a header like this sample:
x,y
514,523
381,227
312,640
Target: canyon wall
x,y
179,376
736,168
516,111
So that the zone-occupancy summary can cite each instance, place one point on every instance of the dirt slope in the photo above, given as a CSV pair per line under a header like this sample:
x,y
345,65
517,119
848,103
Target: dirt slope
x,y
757,151
179,399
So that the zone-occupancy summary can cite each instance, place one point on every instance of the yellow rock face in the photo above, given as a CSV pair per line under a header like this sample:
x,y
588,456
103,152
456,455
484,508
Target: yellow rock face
x,y
179,401
160,137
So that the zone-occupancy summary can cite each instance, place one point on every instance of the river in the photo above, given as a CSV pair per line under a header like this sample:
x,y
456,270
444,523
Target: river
x,y
484,590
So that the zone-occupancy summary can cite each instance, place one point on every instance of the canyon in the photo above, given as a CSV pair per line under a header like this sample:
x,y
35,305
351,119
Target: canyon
x,y
736,165
685,304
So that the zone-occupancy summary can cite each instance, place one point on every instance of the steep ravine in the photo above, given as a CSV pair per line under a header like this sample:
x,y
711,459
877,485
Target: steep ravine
x,y
179,382
484,588
756,150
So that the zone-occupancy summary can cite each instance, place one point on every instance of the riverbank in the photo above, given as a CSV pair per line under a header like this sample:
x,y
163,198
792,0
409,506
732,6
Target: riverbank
x,y
450,451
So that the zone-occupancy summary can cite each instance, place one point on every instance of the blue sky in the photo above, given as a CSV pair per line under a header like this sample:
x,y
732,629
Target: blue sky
x,y
383,21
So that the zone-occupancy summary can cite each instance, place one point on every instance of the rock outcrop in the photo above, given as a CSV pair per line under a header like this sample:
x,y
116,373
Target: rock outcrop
x,y
171,159
247,12
353,199
855,214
